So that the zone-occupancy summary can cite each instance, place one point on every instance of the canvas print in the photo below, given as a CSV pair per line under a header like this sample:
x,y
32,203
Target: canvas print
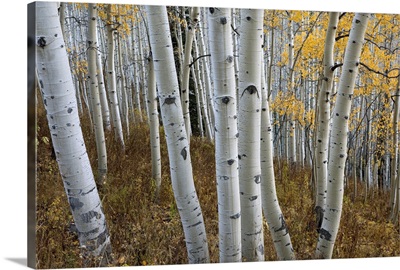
x,y
170,135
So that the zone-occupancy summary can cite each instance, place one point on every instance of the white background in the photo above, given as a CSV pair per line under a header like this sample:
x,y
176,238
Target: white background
x,y
13,194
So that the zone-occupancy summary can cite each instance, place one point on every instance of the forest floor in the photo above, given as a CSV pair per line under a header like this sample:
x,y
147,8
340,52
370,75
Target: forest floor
x,y
146,233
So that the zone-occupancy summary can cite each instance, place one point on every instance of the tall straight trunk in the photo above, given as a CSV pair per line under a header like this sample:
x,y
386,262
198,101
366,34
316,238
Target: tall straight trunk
x,y
226,135
249,123
291,124
270,203
62,114
323,115
123,88
338,138
394,167
154,128
202,82
95,96
112,84
191,25
177,140
207,79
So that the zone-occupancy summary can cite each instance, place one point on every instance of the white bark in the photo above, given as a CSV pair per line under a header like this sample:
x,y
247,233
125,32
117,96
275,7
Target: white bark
x,y
154,128
394,167
190,30
272,211
62,114
226,151
175,132
112,84
249,123
338,138
94,93
105,111
291,124
124,98
207,80
323,115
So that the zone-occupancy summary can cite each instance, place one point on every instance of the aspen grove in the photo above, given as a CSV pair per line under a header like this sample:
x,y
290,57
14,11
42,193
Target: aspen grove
x,y
173,134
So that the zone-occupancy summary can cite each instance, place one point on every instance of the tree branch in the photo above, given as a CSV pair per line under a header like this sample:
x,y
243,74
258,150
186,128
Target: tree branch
x,y
335,66
194,60
342,36
384,74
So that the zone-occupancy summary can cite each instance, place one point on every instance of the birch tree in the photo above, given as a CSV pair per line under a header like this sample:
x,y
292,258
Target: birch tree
x,y
338,138
250,52
112,81
226,135
154,127
59,100
190,30
176,136
272,211
323,116
95,96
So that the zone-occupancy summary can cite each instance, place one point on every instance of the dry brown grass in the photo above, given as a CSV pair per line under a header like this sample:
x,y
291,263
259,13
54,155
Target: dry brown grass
x,y
146,233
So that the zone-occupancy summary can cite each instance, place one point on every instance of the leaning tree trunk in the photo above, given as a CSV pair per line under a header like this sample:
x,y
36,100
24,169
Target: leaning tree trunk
x,y
62,114
323,116
95,96
249,123
226,136
112,84
338,138
177,139
272,211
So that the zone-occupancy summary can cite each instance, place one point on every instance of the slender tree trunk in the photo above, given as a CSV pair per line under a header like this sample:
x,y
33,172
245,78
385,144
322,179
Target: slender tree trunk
x,y
94,93
338,138
394,167
105,112
272,211
124,96
112,82
291,124
177,139
249,122
62,114
154,128
226,135
323,115
191,25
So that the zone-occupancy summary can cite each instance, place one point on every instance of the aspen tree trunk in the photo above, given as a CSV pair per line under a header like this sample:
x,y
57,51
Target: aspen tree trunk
x,y
105,111
177,140
272,211
323,115
62,114
226,135
136,71
394,167
94,93
206,78
249,123
291,124
112,82
124,103
191,28
154,128
338,138
202,81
